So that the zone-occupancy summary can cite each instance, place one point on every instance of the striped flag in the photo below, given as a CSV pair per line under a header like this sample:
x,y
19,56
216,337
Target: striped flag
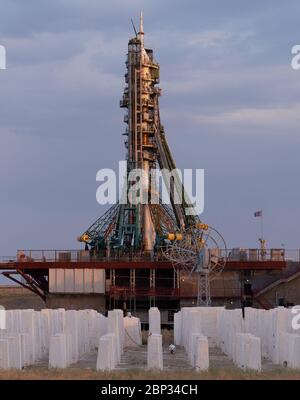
x,y
258,214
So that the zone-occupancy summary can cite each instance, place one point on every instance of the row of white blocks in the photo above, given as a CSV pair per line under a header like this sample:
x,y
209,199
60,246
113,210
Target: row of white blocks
x,y
194,342
242,347
31,335
202,320
272,327
111,345
279,341
194,327
64,336
270,334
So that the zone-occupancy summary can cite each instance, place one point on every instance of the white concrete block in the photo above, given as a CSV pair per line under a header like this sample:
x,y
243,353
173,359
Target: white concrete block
x,y
209,322
71,359
15,352
239,357
201,359
71,328
289,350
294,350
194,328
101,326
154,352
25,349
278,324
177,328
37,320
93,329
192,347
58,351
3,333
154,321
133,333
106,359
247,351
83,332
4,354
253,352
116,327
45,337
9,320
28,326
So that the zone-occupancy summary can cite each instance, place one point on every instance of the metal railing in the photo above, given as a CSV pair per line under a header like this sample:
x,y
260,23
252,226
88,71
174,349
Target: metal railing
x,y
78,255
7,259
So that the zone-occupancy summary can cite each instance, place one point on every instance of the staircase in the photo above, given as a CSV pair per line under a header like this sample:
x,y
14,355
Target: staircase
x,y
136,358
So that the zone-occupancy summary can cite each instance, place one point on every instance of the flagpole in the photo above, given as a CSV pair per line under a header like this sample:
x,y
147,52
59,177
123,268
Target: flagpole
x,y
262,225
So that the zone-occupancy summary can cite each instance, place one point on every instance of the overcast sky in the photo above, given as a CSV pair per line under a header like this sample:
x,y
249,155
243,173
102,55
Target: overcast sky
x,y
230,105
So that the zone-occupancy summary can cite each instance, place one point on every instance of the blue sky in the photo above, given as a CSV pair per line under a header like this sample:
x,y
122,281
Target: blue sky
x,y
230,105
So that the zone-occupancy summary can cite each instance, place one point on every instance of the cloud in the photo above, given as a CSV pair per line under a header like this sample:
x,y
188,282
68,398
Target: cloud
x,y
208,38
263,120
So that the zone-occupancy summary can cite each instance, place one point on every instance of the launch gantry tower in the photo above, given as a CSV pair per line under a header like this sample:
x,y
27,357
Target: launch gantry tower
x,y
142,227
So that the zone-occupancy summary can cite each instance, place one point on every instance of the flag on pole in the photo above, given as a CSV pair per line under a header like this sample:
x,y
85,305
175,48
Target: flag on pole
x,y
258,214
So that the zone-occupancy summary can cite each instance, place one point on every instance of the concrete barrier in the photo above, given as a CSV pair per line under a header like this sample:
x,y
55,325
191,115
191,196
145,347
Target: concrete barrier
x,y
58,357
289,350
71,328
106,358
247,351
3,317
15,353
133,334
154,352
4,354
25,348
28,326
116,327
177,328
29,334
201,356
154,321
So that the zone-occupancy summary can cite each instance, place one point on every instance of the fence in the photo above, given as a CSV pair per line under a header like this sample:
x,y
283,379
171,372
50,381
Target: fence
x,y
235,254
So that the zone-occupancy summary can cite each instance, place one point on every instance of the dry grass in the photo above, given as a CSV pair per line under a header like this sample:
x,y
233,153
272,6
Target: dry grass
x,y
134,374
13,301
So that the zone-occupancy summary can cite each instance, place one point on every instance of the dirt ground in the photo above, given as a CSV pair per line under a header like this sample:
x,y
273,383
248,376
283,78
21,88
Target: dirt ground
x,y
20,298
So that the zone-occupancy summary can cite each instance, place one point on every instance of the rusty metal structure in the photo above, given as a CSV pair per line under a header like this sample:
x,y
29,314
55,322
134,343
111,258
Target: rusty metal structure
x,y
144,224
